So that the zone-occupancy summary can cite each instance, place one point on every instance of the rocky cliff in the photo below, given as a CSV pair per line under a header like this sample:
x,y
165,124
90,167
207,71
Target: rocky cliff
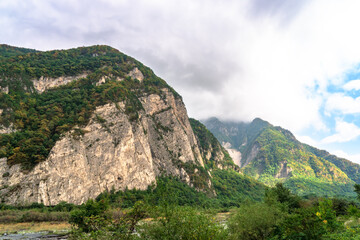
x,y
137,129
116,153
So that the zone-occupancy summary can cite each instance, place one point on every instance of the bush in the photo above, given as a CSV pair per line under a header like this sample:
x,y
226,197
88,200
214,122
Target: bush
x,y
353,211
340,206
103,225
282,195
256,221
63,207
310,223
91,216
348,234
182,223
36,216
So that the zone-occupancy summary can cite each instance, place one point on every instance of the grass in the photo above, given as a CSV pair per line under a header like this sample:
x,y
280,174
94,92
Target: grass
x,y
54,227
33,215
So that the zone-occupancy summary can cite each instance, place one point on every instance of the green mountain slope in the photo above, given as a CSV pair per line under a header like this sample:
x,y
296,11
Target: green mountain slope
x,y
350,168
272,154
213,153
7,51
231,186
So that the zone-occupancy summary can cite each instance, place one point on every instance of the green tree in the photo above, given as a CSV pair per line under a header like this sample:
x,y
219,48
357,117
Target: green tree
x,y
357,190
91,216
183,223
255,221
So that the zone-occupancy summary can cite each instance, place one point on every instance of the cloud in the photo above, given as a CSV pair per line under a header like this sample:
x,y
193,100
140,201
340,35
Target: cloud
x,y
307,140
345,132
352,85
284,9
232,59
352,157
339,102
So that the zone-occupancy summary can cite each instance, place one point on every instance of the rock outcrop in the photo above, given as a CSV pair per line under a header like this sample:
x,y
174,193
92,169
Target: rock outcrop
x,y
4,89
234,153
111,152
44,83
6,130
136,74
284,171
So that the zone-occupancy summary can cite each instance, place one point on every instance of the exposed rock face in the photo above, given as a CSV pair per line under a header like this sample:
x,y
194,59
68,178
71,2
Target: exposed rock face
x,y
136,74
235,154
112,151
251,156
4,89
103,79
6,130
44,83
284,172
217,156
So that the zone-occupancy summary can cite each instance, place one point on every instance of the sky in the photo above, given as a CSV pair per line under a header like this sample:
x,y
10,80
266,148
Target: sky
x,y
294,63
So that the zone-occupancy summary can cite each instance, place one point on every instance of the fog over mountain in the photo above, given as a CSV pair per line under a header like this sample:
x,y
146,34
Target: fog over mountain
x,y
293,63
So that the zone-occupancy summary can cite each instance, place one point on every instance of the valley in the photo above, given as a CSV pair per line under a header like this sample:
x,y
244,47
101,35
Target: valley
x,y
92,137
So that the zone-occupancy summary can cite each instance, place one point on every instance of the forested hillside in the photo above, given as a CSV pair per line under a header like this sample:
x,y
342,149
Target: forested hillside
x,y
7,51
38,120
272,154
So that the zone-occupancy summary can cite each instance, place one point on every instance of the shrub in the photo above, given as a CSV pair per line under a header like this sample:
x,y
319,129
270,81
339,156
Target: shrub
x,y
353,211
91,216
255,221
280,194
94,224
310,223
63,207
182,223
340,206
36,216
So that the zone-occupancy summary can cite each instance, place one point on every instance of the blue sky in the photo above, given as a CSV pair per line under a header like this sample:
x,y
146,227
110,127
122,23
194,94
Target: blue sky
x,y
294,63
339,112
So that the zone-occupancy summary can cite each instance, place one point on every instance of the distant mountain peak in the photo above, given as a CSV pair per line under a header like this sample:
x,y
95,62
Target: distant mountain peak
x,y
272,154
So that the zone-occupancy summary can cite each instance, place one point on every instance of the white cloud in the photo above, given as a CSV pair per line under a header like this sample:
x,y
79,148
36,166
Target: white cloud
x,y
231,59
307,140
342,103
253,58
352,85
352,157
345,132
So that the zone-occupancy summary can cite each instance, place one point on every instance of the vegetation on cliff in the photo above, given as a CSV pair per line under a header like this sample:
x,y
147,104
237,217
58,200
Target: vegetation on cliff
x,y
39,120
210,146
7,51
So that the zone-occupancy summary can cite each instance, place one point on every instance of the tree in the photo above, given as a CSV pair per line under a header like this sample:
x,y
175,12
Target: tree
x,y
357,190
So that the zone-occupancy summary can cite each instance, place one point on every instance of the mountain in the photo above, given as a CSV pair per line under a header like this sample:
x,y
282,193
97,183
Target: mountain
x,y
75,123
272,154
231,186
7,51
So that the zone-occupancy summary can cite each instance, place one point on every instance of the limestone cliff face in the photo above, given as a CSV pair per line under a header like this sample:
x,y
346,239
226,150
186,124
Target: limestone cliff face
x,y
251,156
110,152
234,153
44,83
